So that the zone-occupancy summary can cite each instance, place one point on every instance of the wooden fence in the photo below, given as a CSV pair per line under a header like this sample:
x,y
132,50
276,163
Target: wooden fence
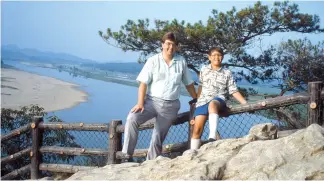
x,y
314,98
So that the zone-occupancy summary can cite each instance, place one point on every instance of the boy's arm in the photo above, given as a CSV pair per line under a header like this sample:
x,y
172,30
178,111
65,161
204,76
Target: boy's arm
x,y
238,96
232,89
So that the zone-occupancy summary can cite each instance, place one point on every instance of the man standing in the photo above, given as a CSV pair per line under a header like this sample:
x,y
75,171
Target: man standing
x,y
158,96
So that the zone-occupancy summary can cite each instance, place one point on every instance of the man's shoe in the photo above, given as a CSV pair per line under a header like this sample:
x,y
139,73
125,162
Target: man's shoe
x,y
211,140
125,160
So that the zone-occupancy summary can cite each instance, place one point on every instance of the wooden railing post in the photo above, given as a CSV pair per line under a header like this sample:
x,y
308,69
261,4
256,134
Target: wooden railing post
x,y
36,141
190,123
315,104
322,97
115,144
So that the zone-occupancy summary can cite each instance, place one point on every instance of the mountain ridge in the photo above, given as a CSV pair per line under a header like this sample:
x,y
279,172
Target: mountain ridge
x,y
13,52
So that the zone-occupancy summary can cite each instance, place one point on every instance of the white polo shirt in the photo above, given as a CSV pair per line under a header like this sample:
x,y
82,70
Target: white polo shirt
x,y
163,80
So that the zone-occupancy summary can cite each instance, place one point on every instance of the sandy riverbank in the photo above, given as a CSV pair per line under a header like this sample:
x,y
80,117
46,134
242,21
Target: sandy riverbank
x,y
19,88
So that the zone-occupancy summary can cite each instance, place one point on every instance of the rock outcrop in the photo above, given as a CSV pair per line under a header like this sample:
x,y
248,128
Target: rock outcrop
x,y
257,156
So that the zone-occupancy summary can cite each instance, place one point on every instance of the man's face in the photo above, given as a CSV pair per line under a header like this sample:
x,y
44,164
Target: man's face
x,y
215,58
169,47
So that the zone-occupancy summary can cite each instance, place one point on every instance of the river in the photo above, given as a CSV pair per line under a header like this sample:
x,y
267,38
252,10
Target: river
x,y
108,101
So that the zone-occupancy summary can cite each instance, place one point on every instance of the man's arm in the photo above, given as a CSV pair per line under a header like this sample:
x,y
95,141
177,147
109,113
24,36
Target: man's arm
x,y
140,100
238,96
194,100
191,90
144,78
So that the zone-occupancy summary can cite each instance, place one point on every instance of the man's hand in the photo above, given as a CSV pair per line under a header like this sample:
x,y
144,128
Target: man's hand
x,y
193,101
137,108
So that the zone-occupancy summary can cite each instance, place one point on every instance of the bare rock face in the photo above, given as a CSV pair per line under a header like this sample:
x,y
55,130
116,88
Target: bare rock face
x,y
298,156
265,131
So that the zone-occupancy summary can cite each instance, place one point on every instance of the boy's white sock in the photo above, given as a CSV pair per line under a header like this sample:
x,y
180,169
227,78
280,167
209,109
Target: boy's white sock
x,y
194,144
213,122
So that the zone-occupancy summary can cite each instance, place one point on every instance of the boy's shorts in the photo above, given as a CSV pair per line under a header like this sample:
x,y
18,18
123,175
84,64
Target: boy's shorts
x,y
203,110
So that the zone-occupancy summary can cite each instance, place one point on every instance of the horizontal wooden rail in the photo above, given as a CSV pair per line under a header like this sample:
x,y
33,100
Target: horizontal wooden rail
x,y
73,151
137,153
177,147
75,126
270,103
15,156
63,168
182,118
258,105
147,125
15,132
16,173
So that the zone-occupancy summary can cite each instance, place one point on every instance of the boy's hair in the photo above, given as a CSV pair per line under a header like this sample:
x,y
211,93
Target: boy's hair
x,y
217,49
170,36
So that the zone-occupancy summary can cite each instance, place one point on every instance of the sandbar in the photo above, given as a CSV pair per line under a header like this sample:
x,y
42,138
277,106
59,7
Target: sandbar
x,y
19,88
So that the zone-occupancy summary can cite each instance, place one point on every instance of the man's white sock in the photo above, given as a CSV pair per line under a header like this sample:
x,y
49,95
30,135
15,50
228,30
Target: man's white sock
x,y
194,144
213,122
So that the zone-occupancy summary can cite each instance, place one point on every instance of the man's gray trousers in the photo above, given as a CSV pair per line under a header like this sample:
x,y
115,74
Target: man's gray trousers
x,y
165,111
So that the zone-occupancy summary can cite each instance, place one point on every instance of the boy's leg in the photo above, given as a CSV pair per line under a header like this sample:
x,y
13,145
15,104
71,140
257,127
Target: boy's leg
x,y
134,120
167,112
213,123
200,121
213,117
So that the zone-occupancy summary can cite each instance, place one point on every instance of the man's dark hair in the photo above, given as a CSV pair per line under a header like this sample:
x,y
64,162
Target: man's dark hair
x,y
170,36
217,49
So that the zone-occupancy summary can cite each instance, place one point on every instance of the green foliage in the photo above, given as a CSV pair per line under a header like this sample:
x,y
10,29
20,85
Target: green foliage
x,y
95,161
234,31
13,119
289,117
301,62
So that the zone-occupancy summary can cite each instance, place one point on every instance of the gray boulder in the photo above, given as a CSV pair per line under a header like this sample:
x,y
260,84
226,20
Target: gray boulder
x,y
258,156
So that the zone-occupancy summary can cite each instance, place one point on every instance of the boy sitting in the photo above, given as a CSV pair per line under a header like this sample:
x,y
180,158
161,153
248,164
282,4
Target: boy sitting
x,y
214,83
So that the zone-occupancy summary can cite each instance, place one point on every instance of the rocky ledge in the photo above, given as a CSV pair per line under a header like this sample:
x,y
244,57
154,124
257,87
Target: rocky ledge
x,y
258,156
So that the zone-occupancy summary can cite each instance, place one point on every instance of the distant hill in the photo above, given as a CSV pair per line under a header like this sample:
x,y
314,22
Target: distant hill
x,y
13,52
127,67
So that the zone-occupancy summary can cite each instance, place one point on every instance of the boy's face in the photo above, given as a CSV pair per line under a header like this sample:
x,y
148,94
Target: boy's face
x,y
169,47
215,58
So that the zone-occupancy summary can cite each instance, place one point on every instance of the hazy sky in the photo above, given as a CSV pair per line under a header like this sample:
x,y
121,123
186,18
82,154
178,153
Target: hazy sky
x,y
72,27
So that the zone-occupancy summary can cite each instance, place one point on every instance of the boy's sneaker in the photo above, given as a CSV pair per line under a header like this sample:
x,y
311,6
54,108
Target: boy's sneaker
x,y
211,140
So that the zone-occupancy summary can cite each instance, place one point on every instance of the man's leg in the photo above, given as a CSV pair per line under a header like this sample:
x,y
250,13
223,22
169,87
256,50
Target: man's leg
x,y
167,112
134,120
